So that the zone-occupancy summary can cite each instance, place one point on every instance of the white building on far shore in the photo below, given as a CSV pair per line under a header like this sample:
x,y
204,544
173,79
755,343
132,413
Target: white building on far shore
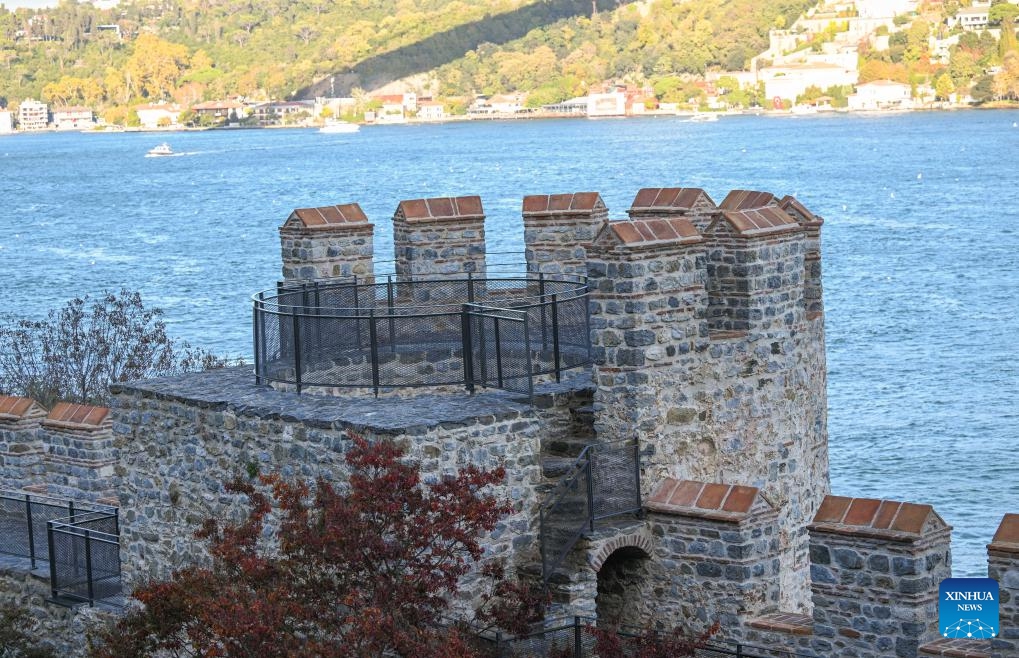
x,y
6,122
881,95
33,115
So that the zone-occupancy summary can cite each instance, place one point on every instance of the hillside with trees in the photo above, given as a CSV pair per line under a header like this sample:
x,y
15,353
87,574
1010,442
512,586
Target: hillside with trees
x,y
193,50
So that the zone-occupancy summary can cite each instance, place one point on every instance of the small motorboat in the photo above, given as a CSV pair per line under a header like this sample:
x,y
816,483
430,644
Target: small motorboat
x,y
162,149
703,117
334,126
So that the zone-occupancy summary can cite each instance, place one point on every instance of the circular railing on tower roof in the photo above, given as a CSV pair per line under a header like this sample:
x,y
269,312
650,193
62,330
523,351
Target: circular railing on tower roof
x,y
421,331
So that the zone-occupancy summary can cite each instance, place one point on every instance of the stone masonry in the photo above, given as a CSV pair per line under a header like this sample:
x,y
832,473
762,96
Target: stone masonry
x,y
707,335
1003,566
441,236
327,242
559,229
21,450
692,203
739,403
875,570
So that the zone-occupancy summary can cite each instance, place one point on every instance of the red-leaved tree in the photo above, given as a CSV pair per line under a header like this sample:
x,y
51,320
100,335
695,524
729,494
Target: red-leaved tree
x,y
363,572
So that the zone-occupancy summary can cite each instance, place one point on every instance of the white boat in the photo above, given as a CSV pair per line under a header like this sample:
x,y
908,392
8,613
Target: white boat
x,y
702,117
335,126
162,149
803,109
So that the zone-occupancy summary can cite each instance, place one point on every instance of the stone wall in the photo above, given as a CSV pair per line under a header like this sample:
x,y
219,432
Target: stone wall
x,y
876,566
754,271
21,449
63,630
716,555
559,229
327,242
1003,566
741,406
70,451
182,437
442,236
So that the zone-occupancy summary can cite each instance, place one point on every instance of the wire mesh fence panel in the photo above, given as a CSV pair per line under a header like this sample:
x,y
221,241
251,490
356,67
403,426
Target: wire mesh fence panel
x,y
500,357
574,332
615,474
420,350
23,524
565,516
374,332
85,557
14,528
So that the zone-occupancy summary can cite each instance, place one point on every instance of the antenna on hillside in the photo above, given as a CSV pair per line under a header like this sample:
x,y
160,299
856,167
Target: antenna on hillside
x,y
594,8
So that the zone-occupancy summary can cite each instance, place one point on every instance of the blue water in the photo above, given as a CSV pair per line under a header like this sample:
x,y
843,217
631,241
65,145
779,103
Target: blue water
x,y
921,250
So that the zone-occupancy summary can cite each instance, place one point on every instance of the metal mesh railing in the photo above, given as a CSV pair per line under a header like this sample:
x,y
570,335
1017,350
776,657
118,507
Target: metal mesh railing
x,y
78,543
84,559
603,482
574,637
402,332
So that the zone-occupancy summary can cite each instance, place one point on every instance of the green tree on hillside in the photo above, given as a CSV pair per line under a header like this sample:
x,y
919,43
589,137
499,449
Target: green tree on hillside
x,y
944,87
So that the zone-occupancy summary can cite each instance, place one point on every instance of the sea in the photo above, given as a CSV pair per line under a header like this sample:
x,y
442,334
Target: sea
x,y
920,250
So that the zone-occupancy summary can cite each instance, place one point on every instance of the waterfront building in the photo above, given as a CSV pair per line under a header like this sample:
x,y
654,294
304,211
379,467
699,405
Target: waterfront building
x,y
73,118
220,111
881,95
431,111
158,116
33,115
6,122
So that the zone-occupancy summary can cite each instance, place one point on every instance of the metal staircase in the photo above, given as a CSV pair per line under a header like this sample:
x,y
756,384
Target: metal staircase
x,y
603,481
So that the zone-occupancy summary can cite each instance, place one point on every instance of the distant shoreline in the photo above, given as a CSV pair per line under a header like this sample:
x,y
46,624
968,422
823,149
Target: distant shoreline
x,y
997,105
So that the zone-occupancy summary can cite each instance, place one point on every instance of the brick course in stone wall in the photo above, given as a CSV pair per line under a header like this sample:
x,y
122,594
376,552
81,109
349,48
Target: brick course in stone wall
x,y
742,407
441,236
559,229
327,242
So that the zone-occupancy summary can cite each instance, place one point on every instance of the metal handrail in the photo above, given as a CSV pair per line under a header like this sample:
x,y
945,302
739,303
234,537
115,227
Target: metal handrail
x,y
582,467
384,322
266,299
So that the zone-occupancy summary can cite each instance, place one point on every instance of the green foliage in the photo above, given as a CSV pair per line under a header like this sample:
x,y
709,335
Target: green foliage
x,y
177,49
944,87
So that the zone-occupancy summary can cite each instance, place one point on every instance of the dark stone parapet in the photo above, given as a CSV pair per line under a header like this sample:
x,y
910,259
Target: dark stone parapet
x,y
234,389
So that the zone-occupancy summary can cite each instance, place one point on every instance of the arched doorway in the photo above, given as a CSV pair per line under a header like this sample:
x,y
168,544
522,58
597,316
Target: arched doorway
x,y
623,588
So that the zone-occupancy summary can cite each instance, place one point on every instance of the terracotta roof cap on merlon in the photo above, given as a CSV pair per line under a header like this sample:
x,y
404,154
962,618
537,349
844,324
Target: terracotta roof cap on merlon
x,y
747,200
441,208
669,198
799,212
650,232
1006,538
760,221
721,502
562,204
879,519
13,408
346,214
77,416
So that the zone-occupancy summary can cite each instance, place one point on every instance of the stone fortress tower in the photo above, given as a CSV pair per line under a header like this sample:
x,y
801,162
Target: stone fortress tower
x,y
670,465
